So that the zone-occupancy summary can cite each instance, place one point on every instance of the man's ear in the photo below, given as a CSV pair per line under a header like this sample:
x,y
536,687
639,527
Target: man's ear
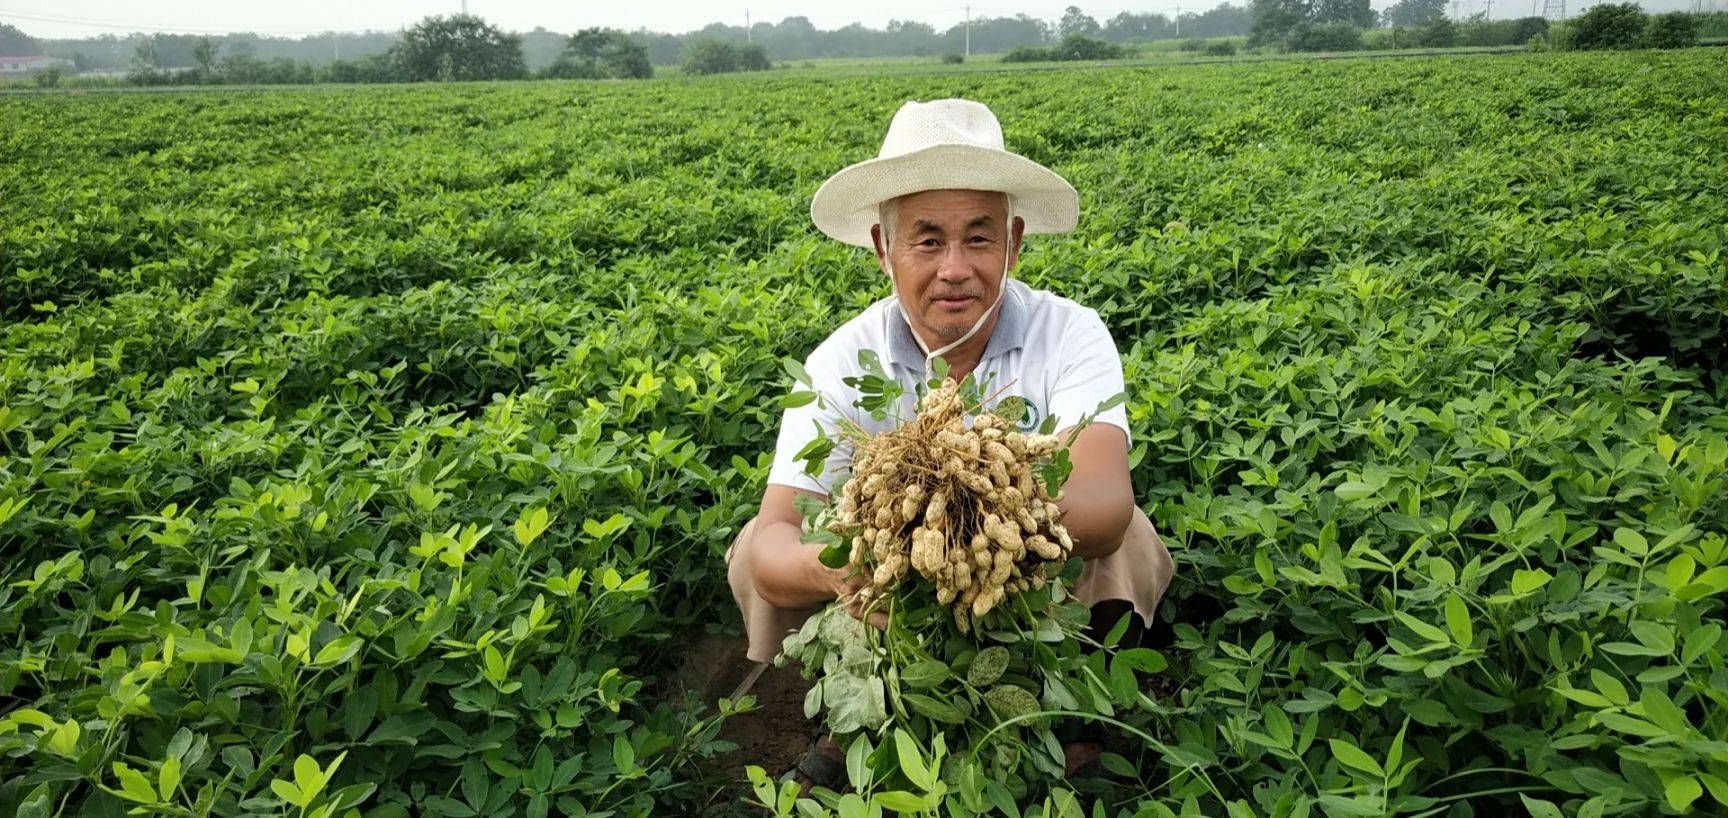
x,y
1017,233
877,245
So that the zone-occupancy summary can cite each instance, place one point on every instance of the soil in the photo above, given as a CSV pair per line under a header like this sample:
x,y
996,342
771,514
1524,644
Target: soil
x,y
775,733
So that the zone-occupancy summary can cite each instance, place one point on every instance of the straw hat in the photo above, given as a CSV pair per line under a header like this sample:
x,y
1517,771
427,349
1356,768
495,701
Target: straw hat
x,y
941,145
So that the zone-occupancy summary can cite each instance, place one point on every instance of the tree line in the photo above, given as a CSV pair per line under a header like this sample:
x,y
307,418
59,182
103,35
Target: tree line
x,y
793,38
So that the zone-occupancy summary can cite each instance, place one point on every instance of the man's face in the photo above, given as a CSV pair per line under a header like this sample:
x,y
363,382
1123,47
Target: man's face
x,y
948,247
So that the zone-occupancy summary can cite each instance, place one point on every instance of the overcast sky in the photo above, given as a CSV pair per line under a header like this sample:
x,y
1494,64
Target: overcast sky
x,y
79,18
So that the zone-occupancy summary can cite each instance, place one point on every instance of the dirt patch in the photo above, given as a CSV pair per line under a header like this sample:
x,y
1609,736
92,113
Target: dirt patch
x,y
773,735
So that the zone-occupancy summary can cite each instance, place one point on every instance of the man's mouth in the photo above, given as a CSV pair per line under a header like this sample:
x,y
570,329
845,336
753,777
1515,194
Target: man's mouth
x,y
954,303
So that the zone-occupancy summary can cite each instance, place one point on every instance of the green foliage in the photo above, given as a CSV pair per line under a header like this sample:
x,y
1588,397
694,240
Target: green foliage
x,y
308,399
459,48
1675,29
1219,48
1323,37
721,57
1608,25
602,54
1409,13
1438,32
47,77
1073,48
953,58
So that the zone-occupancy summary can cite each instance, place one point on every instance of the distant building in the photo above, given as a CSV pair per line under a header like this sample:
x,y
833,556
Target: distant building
x,y
10,66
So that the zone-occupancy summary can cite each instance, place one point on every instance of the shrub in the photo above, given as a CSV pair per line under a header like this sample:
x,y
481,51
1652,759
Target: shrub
x,y
1029,53
1610,25
1439,32
1495,33
1676,29
1191,44
1075,47
1323,37
953,59
47,77
1219,48
707,56
596,53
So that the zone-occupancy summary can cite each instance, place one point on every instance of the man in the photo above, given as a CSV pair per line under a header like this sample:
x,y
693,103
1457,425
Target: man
x,y
944,206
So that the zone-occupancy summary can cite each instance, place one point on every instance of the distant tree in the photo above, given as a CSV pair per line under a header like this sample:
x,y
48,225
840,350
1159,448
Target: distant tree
x,y
46,77
144,54
1609,25
596,53
1128,27
460,47
1275,18
997,34
753,58
204,53
1355,12
1676,29
1222,20
910,38
1409,13
1075,21
1323,37
706,56
1438,32
15,43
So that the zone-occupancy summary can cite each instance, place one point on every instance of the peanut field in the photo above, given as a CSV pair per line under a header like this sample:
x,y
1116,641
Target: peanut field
x,y
373,451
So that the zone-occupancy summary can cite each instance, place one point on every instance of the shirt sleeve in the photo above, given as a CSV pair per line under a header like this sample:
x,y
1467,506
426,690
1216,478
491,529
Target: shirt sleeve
x,y
800,425
1088,373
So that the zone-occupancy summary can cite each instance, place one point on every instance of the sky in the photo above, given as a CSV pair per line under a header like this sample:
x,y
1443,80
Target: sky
x,y
79,18
84,18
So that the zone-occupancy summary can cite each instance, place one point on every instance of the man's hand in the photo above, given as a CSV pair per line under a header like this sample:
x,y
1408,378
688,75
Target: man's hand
x,y
846,590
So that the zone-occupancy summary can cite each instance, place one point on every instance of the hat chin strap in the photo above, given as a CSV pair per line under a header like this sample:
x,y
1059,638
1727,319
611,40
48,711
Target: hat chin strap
x,y
1001,289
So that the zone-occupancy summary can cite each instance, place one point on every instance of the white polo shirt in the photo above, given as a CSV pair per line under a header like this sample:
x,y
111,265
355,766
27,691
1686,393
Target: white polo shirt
x,y
1053,353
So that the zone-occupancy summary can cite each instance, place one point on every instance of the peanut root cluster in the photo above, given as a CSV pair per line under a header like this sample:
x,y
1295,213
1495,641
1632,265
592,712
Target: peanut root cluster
x,y
960,505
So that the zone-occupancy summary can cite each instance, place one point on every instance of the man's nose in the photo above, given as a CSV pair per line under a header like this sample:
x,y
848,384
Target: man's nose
x,y
953,265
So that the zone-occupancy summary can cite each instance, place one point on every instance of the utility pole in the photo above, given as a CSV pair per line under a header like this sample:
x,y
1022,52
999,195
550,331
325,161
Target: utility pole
x,y
747,26
968,31
464,8
1489,13
1178,20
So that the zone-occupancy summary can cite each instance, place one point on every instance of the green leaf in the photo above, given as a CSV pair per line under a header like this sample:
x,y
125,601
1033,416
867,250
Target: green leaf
x,y
623,754
339,650
858,770
797,371
934,709
133,785
168,778
1352,756
1010,701
1539,808
911,761
1526,581
899,801
925,673
1458,621
1682,791
987,666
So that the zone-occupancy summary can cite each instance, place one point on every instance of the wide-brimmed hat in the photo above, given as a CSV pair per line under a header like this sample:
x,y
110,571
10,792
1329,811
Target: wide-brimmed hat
x,y
941,145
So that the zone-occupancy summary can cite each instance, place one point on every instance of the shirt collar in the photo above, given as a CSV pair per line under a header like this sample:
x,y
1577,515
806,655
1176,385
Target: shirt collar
x,y
1008,334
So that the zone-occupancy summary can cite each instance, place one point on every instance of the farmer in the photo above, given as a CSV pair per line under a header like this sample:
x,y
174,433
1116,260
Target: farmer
x,y
944,206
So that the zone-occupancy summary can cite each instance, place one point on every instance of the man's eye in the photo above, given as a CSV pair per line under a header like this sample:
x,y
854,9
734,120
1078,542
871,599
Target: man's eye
x,y
980,239
927,243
